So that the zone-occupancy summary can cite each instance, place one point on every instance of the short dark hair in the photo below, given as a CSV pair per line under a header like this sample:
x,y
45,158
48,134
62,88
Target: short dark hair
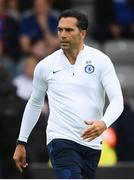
x,y
81,18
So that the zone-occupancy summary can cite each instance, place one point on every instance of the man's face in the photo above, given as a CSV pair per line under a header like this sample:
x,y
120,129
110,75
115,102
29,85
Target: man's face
x,y
41,6
69,34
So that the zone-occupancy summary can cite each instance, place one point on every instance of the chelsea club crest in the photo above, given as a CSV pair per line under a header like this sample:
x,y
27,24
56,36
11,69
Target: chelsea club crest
x,y
89,68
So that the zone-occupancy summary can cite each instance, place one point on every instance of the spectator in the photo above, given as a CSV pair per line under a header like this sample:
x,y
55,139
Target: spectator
x,y
39,25
13,9
114,19
8,34
23,81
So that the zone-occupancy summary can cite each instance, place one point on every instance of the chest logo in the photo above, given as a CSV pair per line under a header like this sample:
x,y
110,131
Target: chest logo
x,y
56,71
89,69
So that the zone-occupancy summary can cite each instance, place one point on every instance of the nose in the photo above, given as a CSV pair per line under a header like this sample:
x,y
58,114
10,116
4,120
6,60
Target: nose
x,y
63,34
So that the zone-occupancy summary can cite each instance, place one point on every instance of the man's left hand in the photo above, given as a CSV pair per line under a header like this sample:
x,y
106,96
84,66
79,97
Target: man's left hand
x,y
93,130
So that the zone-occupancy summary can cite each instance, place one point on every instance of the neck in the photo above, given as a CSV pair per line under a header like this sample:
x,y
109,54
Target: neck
x,y
72,54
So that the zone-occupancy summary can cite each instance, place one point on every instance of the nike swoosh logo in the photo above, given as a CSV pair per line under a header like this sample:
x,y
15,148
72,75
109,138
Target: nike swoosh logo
x,y
56,71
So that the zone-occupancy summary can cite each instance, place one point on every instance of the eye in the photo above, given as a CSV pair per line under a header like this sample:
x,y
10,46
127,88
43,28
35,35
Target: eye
x,y
60,29
69,29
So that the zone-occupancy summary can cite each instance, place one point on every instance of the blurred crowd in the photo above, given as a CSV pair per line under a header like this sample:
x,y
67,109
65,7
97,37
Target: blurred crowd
x,y
28,33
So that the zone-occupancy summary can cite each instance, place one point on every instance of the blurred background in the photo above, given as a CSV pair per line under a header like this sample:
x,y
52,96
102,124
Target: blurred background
x,y
28,33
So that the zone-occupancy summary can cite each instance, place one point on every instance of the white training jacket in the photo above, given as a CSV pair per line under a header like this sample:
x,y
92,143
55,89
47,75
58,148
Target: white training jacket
x,y
76,93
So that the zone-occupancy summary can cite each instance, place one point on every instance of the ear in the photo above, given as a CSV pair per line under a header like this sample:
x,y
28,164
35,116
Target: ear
x,y
83,33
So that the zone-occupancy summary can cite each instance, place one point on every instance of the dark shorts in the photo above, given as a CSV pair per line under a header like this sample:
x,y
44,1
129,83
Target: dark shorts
x,y
71,160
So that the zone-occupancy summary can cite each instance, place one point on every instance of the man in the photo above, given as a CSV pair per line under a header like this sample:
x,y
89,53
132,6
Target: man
x,y
39,27
115,19
75,79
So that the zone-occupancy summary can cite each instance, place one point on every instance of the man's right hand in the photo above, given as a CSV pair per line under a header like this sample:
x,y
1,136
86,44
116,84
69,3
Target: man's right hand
x,y
20,157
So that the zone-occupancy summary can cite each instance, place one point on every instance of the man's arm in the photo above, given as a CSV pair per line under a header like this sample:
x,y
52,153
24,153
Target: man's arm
x,y
113,90
30,118
112,87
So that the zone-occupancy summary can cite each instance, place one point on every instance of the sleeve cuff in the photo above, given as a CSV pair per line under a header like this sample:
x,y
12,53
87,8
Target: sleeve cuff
x,y
21,142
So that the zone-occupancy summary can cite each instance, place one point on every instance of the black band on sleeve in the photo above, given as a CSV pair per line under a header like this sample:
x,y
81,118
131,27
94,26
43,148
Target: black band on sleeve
x,y
21,142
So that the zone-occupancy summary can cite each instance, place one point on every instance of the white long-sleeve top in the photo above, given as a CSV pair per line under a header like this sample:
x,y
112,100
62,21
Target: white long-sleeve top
x,y
76,93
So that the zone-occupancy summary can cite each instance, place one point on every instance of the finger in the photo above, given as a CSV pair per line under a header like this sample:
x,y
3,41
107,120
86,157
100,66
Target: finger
x,y
89,135
25,165
20,164
90,139
87,131
88,122
19,167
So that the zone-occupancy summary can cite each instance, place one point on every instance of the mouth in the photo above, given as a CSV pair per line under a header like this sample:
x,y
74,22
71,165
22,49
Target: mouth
x,y
64,42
